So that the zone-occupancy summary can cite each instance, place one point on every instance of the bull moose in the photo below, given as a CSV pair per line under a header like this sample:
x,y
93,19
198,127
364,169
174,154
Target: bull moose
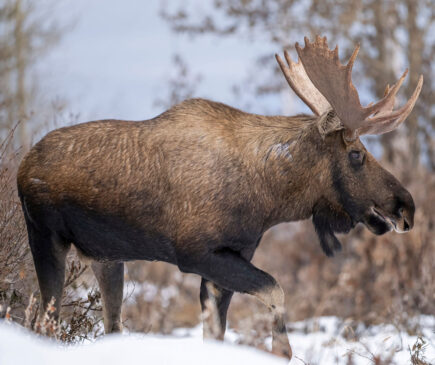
x,y
198,185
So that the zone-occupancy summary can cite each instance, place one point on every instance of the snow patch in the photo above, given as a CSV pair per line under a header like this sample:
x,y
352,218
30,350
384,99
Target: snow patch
x,y
18,346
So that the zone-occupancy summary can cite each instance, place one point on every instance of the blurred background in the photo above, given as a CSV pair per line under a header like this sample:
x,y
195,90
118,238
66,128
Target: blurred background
x,y
73,61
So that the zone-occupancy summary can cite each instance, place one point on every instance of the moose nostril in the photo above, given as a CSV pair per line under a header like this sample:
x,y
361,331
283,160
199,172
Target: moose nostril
x,y
405,225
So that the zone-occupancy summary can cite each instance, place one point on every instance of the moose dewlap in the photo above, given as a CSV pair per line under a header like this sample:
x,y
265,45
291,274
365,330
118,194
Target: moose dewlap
x,y
198,185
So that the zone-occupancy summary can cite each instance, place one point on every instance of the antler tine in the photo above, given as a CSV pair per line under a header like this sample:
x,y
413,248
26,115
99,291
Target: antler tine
x,y
387,90
352,59
301,84
387,102
334,81
391,93
386,122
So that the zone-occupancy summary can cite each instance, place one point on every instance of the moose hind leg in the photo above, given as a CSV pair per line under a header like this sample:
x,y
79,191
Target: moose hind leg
x,y
230,271
110,277
49,254
214,304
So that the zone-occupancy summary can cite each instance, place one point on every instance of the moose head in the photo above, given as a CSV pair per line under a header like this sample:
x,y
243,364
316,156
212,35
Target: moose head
x,y
363,191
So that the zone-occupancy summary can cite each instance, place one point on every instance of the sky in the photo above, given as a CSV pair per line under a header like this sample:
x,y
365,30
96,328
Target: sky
x,y
114,61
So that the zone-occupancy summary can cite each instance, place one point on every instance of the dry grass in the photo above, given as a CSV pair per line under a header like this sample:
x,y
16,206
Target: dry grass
x,y
18,285
417,352
160,298
16,279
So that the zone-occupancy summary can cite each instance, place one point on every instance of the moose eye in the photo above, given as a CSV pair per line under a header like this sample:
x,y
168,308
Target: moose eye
x,y
356,157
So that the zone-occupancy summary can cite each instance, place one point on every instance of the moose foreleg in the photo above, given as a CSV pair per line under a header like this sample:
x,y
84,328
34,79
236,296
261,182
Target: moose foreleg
x,y
273,298
214,304
228,270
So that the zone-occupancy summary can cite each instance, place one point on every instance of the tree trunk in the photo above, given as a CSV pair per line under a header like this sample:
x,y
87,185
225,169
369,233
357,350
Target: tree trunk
x,y
21,65
384,73
415,45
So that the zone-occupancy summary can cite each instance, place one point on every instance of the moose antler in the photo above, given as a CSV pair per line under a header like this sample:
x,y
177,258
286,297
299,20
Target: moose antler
x,y
301,84
334,82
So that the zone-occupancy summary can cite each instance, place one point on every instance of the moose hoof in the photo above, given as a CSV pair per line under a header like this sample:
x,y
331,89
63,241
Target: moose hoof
x,y
115,327
281,348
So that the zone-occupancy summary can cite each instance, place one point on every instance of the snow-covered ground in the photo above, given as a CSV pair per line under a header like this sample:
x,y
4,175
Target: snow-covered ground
x,y
319,341
19,347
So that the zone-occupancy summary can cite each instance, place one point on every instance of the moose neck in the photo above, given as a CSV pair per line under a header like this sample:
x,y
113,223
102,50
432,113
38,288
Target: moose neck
x,y
289,154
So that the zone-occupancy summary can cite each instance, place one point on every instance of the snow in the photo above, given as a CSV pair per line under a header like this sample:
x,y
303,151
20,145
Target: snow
x,y
324,341
17,346
314,341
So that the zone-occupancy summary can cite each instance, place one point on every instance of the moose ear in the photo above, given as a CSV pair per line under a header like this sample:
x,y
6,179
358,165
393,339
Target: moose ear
x,y
328,122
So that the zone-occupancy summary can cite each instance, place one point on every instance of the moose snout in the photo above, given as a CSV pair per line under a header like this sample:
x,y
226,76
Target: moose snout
x,y
405,209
